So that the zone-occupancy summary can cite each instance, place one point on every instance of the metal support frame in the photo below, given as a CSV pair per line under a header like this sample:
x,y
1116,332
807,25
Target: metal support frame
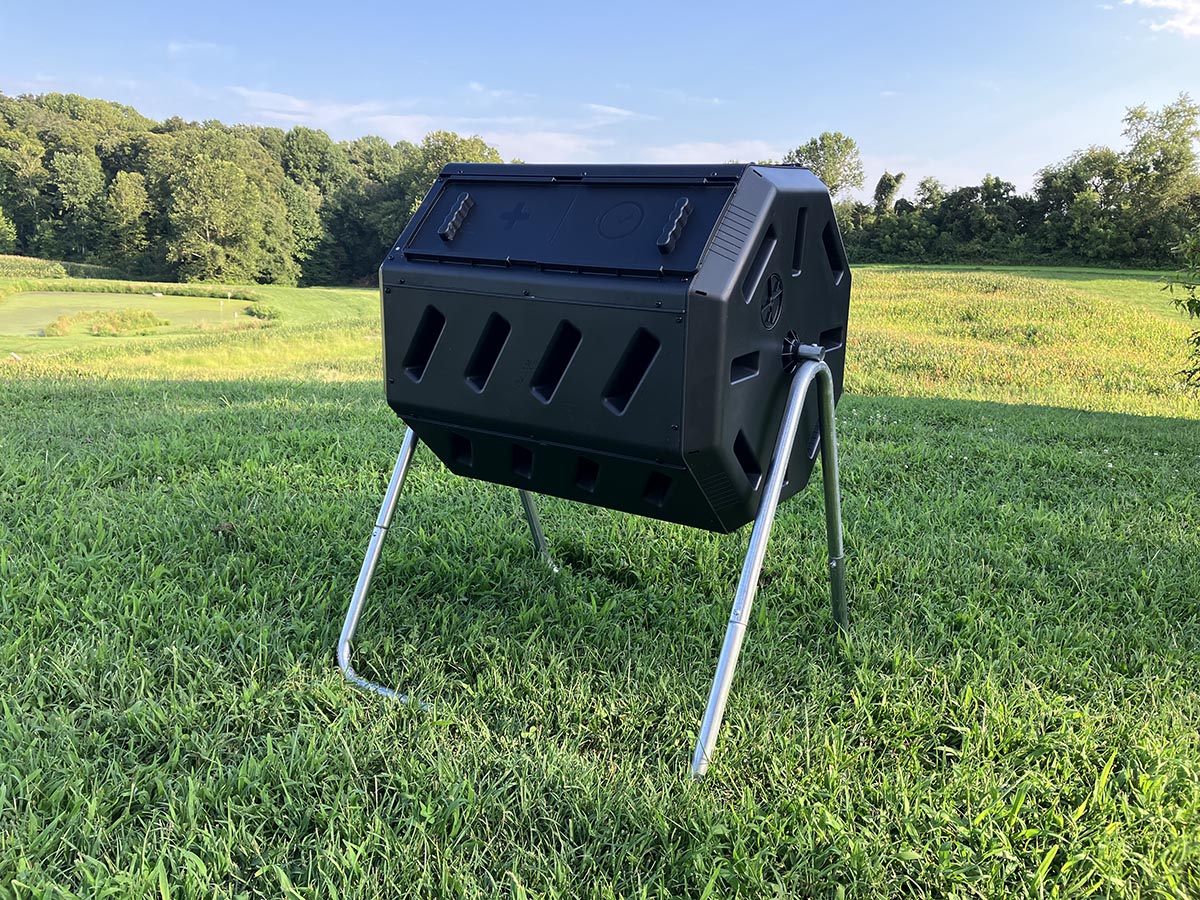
x,y
813,368
367,573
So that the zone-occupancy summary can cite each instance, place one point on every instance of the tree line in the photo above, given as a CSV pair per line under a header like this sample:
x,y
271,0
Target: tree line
x,y
1132,207
93,181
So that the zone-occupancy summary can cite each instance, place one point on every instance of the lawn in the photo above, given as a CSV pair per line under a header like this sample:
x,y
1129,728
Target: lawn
x,y
1015,713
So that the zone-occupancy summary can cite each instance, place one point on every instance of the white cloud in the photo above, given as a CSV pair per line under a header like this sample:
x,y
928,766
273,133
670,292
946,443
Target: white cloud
x,y
613,112
1182,16
480,92
286,109
600,115
546,146
395,127
713,152
536,138
886,94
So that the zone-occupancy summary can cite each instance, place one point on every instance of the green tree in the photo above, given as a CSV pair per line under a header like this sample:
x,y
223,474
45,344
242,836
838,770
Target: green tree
x,y
362,218
310,158
126,212
21,158
8,234
77,182
833,157
1164,182
227,219
930,193
885,192
1186,291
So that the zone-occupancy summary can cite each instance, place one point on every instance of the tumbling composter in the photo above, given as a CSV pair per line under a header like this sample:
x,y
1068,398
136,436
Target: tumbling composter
x,y
641,338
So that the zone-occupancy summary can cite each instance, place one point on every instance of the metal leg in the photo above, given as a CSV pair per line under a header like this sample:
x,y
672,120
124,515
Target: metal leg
x,y
363,586
367,572
833,499
748,583
535,529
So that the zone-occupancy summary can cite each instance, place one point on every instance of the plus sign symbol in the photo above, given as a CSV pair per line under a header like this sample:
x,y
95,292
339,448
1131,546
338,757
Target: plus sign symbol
x,y
514,215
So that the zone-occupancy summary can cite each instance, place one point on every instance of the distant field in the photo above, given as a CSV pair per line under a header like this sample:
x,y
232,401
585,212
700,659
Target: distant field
x,y
28,306
28,314
1016,712
1143,287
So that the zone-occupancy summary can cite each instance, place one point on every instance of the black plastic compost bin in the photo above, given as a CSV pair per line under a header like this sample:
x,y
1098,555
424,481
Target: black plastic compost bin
x,y
642,338
617,335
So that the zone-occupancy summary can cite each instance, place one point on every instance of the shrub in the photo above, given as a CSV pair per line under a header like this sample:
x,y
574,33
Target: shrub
x,y
107,323
30,267
264,311
1185,288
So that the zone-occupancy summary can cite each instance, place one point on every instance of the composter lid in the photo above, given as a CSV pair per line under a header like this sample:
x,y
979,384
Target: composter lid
x,y
628,220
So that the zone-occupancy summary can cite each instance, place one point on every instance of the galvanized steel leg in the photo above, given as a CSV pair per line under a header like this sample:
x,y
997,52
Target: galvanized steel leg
x,y
814,369
833,499
535,529
363,586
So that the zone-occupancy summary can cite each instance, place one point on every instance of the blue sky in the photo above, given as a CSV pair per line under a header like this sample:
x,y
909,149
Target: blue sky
x,y
956,90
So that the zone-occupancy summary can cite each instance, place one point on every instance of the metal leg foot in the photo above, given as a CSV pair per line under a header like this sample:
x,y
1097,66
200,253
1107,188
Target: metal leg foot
x,y
748,583
367,573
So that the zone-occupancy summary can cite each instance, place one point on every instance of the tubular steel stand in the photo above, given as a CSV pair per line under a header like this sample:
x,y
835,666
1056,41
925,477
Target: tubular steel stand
x,y
812,369
375,547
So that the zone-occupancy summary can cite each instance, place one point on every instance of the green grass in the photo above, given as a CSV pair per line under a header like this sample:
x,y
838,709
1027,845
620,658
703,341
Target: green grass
x,y
1016,713
193,311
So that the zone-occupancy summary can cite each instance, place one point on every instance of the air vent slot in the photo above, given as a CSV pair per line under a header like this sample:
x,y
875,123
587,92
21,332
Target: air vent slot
x,y
522,461
586,473
755,273
550,371
461,450
487,352
630,371
743,367
833,252
657,486
746,459
833,339
798,249
429,330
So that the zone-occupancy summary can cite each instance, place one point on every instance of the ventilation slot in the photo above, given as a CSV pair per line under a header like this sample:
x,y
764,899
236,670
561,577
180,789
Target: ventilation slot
x,y
745,457
761,258
832,339
798,250
487,352
743,367
586,472
429,329
657,486
558,356
631,371
522,461
460,449
834,253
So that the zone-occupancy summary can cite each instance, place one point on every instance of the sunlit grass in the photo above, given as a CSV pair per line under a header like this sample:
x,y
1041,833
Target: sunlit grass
x,y
1016,713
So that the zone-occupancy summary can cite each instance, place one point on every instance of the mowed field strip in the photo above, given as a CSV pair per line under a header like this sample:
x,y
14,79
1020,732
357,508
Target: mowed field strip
x,y
1015,713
